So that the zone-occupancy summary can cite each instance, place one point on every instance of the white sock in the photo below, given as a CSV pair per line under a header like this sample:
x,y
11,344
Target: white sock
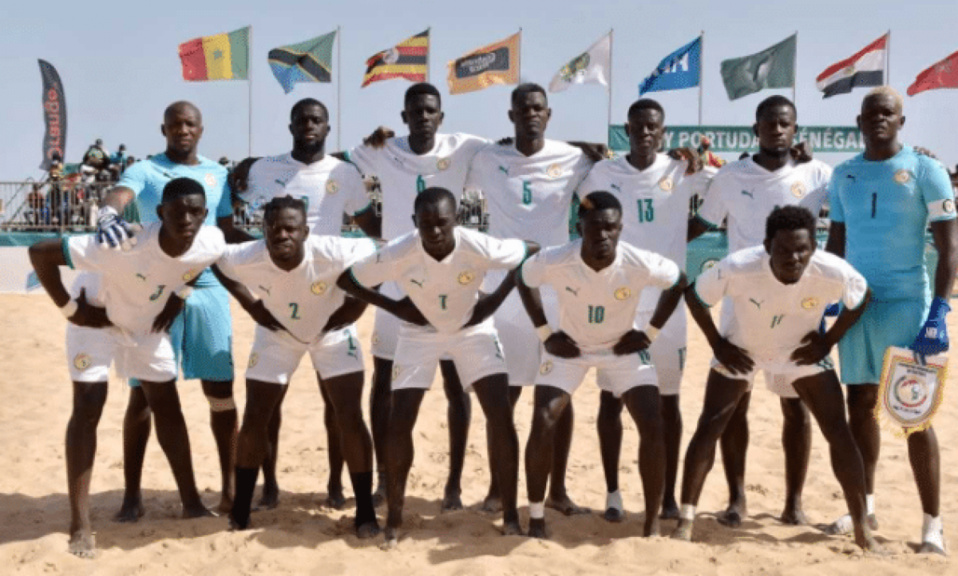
x,y
843,525
537,510
932,531
869,504
687,512
614,500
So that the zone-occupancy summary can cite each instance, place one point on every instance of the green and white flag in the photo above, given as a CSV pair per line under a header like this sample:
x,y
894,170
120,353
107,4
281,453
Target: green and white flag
x,y
590,67
773,67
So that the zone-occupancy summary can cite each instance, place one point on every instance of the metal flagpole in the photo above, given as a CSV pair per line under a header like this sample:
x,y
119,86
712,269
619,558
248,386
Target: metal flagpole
x,y
701,70
428,49
519,58
249,100
339,87
795,70
609,124
888,58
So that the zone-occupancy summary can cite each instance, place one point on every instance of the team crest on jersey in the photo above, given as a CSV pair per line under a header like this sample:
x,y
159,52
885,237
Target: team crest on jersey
x,y
253,360
396,371
666,184
443,163
623,293
82,361
375,338
466,277
189,275
708,264
554,171
809,303
546,367
948,206
902,176
318,288
210,180
332,186
798,189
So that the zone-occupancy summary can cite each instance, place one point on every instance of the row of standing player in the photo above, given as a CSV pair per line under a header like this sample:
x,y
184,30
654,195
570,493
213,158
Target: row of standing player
x,y
532,170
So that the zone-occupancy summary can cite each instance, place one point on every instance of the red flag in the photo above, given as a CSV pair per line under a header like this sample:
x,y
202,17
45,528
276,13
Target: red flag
x,y
943,74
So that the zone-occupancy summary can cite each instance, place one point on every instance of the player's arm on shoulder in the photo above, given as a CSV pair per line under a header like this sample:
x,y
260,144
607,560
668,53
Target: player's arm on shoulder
x,y
247,300
231,232
369,222
594,151
487,304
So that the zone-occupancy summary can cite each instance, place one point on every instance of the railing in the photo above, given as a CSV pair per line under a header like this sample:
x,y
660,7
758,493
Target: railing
x,y
64,206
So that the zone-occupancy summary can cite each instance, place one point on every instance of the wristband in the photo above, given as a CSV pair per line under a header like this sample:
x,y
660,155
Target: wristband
x,y
652,332
184,292
69,309
543,332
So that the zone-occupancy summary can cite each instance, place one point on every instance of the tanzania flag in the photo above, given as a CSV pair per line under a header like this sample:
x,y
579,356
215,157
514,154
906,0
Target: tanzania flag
x,y
409,59
309,61
219,57
493,64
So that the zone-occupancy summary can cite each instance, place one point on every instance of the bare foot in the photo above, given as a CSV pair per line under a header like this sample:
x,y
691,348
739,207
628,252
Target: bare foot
x,y
83,544
269,500
683,531
651,527
197,511
670,511
614,515
732,517
367,529
336,501
451,501
565,505
537,528
130,511
491,503
793,516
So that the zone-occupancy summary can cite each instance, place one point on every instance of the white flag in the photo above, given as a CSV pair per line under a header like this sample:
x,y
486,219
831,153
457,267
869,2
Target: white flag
x,y
590,67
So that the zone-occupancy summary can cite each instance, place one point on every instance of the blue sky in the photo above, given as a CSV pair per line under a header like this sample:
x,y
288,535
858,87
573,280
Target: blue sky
x,y
119,65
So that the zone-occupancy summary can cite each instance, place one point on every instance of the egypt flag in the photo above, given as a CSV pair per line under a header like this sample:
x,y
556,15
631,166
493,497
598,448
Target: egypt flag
x,y
865,68
409,59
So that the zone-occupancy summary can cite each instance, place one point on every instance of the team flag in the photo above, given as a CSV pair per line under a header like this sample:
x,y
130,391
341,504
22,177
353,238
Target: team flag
x,y
865,68
308,61
773,67
943,74
409,59
680,69
493,64
590,67
219,57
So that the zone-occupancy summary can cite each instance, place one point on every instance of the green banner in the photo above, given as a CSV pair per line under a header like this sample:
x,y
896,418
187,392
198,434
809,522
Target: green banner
x,y
736,139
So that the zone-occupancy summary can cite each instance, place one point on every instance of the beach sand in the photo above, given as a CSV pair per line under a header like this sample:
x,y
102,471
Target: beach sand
x,y
303,537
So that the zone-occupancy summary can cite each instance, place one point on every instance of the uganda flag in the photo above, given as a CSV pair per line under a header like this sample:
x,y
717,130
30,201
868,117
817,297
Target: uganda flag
x,y
308,61
409,59
219,57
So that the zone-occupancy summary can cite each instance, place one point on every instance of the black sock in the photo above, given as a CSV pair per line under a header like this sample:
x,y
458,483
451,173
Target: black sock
x,y
243,500
363,490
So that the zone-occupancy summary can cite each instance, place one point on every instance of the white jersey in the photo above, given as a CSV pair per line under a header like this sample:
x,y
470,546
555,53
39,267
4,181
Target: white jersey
x,y
597,308
768,318
303,298
444,291
746,193
402,173
329,188
655,205
529,197
135,285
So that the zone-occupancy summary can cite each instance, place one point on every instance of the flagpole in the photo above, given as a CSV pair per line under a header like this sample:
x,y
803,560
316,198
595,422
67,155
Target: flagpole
x,y
888,59
701,70
609,123
519,59
428,49
339,87
794,71
249,100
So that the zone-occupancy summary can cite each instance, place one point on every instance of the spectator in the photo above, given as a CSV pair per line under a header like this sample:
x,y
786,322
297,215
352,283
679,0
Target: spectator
x,y
118,162
37,213
95,159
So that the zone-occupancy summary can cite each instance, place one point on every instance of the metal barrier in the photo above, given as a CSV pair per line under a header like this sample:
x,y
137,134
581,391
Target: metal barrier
x,y
65,206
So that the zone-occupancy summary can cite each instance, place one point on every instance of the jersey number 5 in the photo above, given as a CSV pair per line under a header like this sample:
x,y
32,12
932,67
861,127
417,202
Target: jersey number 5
x,y
526,192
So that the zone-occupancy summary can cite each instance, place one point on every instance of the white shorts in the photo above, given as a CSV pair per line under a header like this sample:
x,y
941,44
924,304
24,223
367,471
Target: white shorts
x,y
616,374
90,351
276,355
519,336
667,352
386,326
476,352
779,376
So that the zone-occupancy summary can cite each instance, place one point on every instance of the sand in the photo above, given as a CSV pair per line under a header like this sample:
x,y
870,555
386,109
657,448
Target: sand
x,y
303,537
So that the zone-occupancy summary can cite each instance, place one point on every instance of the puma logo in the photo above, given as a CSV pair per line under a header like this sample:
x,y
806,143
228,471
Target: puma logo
x,y
504,170
574,292
749,194
616,188
756,302
417,282
265,289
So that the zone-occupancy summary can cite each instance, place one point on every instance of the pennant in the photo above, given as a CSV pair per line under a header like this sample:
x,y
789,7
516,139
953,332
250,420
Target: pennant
x,y
409,59
308,61
680,69
218,57
865,68
942,74
496,63
773,67
591,67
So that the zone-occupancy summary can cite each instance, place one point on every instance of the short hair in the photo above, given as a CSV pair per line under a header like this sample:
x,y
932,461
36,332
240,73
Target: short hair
x,y
433,196
421,89
790,218
182,187
645,104
271,208
527,88
179,105
774,102
885,91
298,107
599,200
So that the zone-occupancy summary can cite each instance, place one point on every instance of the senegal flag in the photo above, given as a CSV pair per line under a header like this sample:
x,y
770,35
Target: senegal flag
x,y
219,57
